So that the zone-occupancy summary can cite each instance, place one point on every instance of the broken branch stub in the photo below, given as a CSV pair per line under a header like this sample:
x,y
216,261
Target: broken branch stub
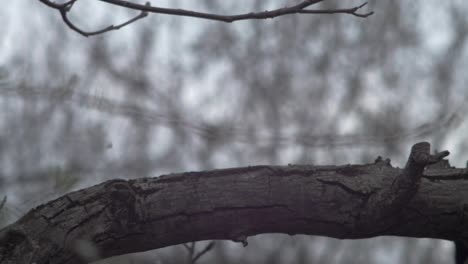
x,y
420,157
393,197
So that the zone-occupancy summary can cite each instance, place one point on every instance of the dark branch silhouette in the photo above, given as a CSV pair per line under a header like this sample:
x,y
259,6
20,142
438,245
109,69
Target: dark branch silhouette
x,y
424,199
147,8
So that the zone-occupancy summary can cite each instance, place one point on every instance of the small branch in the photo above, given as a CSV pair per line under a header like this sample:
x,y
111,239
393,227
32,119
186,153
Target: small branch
x,y
66,7
2,203
204,251
192,257
352,11
147,8
190,247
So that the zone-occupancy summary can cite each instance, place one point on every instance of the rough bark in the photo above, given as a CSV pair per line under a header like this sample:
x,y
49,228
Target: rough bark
x,y
350,201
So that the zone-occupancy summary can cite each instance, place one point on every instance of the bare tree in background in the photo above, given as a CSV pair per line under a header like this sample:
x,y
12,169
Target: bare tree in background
x,y
290,89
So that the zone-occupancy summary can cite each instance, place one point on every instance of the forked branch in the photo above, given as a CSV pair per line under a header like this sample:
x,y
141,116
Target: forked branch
x,y
145,9
427,198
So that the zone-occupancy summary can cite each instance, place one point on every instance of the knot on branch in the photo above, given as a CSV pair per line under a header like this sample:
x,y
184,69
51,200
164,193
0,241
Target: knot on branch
x,y
11,240
241,239
380,160
122,204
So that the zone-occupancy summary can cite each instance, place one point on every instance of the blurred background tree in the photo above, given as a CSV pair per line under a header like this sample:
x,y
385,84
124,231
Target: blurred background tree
x,y
171,94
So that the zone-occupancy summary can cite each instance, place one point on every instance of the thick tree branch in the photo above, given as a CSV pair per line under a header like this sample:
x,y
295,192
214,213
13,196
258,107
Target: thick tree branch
x,y
350,201
147,8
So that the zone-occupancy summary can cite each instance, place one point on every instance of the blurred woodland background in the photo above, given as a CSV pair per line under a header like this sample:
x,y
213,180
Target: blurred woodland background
x,y
172,94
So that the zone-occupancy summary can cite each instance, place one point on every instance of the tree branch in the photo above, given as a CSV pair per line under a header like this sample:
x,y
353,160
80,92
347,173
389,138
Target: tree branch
x,y
350,201
147,8
67,6
3,202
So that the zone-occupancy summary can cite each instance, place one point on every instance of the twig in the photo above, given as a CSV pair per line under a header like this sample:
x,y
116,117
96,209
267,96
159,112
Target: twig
x,y
147,8
2,203
192,258
190,251
66,7
203,252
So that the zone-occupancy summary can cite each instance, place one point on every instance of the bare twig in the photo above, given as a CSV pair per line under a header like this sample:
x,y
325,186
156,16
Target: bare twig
x,y
190,247
192,257
66,7
2,203
204,251
351,11
147,8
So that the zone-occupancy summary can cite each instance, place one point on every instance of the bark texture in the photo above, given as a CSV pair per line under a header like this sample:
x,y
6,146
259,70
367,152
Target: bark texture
x,y
350,201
